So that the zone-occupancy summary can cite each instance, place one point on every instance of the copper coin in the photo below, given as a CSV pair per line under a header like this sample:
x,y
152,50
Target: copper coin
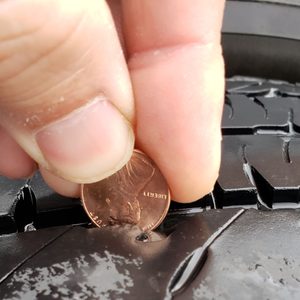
x,y
137,194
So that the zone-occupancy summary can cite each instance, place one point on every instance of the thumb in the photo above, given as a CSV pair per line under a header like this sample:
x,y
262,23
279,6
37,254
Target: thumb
x,y
65,93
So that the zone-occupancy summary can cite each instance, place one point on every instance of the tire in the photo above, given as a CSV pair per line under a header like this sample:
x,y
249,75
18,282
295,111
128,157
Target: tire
x,y
262,33
239,242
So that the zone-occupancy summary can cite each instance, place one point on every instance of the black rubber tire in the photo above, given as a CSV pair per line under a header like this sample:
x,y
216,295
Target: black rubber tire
x,y
262,39
215,248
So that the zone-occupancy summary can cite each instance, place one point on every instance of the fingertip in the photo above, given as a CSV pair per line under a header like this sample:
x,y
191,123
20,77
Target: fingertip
x,y
60,185
198,184
191,172
179,112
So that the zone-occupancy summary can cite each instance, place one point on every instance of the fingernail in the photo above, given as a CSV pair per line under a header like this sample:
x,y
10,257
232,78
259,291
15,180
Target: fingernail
x,y
89,144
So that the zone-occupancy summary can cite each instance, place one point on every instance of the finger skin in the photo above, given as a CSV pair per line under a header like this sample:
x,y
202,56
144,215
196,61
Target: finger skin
x,y
14,161
54,64
61,186
177,71
154,24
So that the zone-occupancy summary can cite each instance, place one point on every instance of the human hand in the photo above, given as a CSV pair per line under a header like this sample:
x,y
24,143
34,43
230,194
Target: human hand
x,y
73,96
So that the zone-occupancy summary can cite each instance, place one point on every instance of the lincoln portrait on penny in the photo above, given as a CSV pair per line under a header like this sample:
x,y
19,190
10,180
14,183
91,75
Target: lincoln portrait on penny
x,y
123,188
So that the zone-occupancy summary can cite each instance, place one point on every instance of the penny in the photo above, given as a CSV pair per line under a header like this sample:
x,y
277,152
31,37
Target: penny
x,y
137,194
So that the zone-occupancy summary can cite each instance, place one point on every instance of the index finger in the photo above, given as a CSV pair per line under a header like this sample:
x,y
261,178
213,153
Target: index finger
x,y
154,24
177,71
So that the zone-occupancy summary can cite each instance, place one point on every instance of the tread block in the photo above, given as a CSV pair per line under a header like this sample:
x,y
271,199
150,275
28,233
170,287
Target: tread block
x,y
110,263
16,248
289,90
275,171
266,166
282,111
257,257
233,186
261,115
12,205
245,115
233,85
258,88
